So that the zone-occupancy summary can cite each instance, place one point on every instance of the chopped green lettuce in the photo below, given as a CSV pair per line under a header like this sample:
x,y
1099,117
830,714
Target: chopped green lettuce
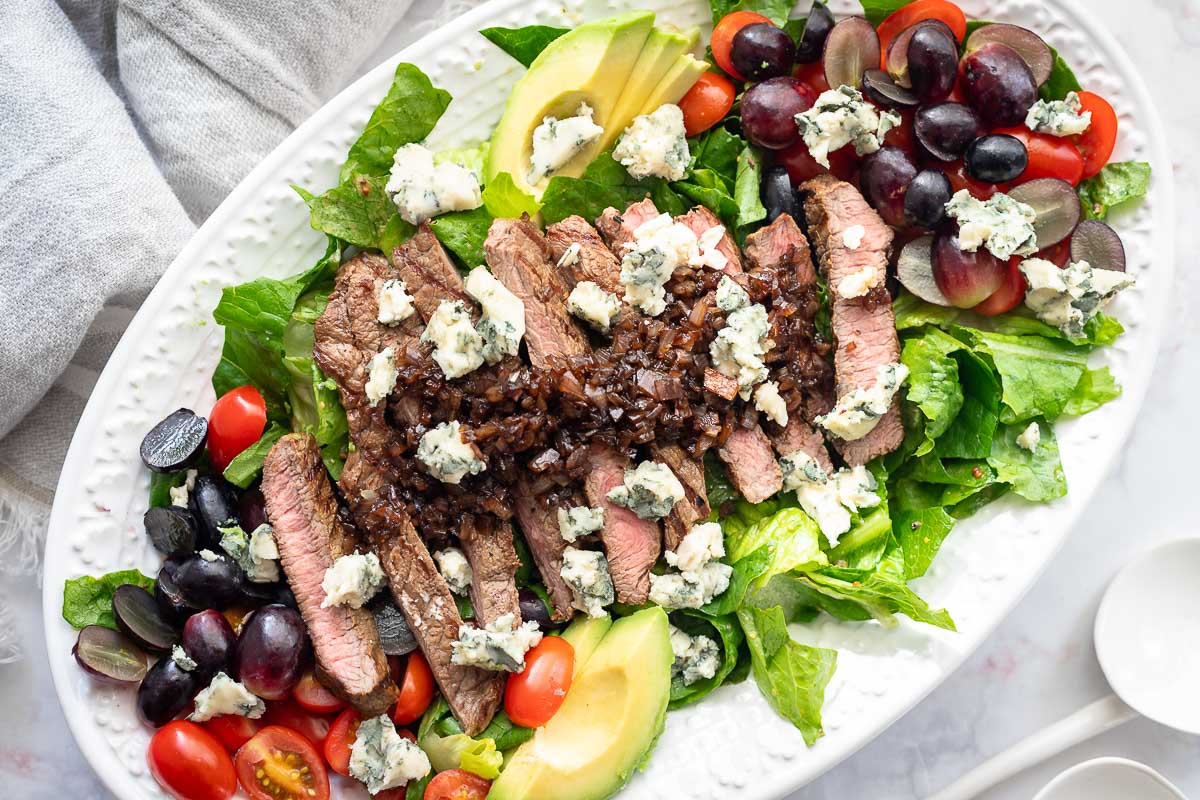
x,y
727,633
1095,388
88,600
1037,475
1037,374
523,44
407,113
247,465
1115,184
464,232
788,534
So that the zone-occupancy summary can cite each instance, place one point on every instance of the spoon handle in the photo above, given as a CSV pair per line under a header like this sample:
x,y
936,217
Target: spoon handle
x,y
1085,723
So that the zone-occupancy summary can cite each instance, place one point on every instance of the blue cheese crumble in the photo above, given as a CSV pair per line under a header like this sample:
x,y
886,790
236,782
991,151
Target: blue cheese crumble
x,y
696,657
181,493
395,303
455,570
447,456
1029,438
1064,117
1003,225
840,117
655,145
381,376
579,521
593,305
500,647
586,572
503,322
690,589
422,190
352,581
256,553
768,400
660,245
858,412
860,282
182,659
703,543
224,696
829,499
557,141
458,347
650,490
737,350
1069,298
383,759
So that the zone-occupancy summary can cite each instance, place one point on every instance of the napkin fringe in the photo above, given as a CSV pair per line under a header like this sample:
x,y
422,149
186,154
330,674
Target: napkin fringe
x,y
22,535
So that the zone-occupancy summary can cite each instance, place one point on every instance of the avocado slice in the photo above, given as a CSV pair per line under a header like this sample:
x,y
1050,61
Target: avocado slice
x,y
591,64
676,82
585,635
611,718
659,54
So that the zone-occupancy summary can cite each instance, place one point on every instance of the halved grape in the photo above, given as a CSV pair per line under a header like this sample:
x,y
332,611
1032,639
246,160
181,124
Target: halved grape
x,y
897,52
1056,204
914,269
395,636
769,111
884,178
168,595
215,505
881,90
139,618
533,609
851,48
762,51
777,194
165,691
271,652
932,63
946,130
1035,52
998,84
816,28
252,509
966,279
926,198
172,530
205,583
176,442
109,655
995,158
1099,245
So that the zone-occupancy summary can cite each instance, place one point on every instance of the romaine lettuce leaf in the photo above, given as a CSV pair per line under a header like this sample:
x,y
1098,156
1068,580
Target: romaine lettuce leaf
x,y
969,435
864,594
1115,184
1037,374
247,465
727,633
523,44
358,211
746,189
775,10
459,751
933,384
921,533
1095,388
464,232
746,570
717,150
1036,476
88,600
788,534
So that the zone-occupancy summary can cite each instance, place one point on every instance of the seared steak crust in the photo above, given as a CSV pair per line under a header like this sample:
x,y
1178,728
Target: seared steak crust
x,y
428,273
539,522
488,546
310,536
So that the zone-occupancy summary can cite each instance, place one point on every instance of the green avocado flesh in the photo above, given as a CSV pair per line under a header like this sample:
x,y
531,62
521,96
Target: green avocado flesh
x,y
611,718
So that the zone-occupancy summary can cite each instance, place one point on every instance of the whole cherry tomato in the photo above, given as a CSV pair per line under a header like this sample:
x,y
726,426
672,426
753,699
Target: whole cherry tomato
x,y
706,103
189,763
416,690
533,696
236,421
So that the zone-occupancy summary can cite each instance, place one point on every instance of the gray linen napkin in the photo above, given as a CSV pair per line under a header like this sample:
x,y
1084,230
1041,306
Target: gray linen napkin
x,y
122,125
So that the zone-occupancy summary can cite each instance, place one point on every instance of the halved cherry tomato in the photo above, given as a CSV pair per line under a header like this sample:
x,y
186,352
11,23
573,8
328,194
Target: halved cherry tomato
x,y
1097,142
706,103
457,784
902,135
801,166
416,690
280,764
722,38
340,739
901,18
288,714
1049,156
233,730
189,763
312,696
812,74
236,421
959,179
1009,295
533,696
1058,254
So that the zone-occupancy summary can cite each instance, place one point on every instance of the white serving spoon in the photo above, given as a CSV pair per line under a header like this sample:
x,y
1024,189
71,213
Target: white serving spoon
x,y
1148,643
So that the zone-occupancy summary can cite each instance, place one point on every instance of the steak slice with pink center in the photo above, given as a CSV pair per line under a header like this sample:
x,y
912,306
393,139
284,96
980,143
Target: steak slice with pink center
x,y
630,542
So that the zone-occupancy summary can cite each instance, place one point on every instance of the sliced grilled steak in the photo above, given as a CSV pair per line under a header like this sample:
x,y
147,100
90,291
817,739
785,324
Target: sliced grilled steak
x,y
428,273
781,243
473,694
519,256
864,328
693,507
701,220
751,464
539,523
488,546
310,536
617,228
631,543
595,262
799,436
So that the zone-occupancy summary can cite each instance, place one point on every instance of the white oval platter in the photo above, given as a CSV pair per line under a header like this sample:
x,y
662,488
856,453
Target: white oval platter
x,y
733,745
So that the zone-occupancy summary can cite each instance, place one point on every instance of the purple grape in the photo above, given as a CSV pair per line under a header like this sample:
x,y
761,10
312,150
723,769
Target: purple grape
x,y
532,607
210,584
998,84
761,51
139,617
932,63
995,158
812,42
216,506
168,596
777,194
210,641
165,691
252,509
1099,245
109,655
946,129
965,279
884,178
176,442
881,90
271,652
926,198
769,111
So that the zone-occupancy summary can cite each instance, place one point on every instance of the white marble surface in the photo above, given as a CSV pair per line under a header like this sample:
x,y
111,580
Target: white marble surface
x,y
1039,665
